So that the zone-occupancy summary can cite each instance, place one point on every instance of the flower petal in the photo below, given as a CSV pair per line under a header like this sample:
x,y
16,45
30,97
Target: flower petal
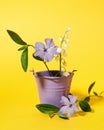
x,y
48,57
64,109
70,112
39,46
53,50
64,101
72,98
39,53
75,108
49,42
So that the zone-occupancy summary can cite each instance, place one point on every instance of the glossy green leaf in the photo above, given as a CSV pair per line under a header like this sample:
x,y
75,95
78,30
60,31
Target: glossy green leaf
x,y
38,58
85,106
22,48
24,59
87,99
15,37
47,108
90,87
63,116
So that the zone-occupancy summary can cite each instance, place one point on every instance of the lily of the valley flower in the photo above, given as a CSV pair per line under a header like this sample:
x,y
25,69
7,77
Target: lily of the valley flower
x,y
59,49
68,105
66,73
46,52
65,45
62,50
60,39
68,28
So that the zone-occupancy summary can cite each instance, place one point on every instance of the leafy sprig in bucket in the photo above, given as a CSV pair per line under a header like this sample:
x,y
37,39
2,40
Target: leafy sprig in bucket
x,y
42,52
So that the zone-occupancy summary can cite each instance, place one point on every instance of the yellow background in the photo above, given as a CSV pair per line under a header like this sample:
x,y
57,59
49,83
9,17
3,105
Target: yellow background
x,y
34,21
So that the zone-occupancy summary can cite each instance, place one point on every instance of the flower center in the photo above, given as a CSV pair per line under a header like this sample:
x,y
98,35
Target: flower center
x,y
45,50
70,105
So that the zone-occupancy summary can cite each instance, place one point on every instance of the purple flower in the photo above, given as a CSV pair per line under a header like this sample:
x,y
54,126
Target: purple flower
x,y
46,52
68,105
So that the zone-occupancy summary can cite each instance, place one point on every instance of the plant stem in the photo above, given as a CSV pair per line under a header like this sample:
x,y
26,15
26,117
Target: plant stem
x,y
61,54
47,68
31,46
60,62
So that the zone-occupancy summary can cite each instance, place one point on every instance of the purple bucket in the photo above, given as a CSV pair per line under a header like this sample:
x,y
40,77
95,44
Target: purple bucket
x,y
52,88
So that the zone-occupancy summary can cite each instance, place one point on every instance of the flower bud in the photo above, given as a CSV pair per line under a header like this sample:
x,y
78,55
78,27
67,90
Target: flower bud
x,y
64,45
60,39
68,28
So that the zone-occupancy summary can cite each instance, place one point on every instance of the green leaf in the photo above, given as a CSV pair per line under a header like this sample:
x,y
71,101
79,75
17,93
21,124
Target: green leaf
x,y
24,59
62,115
51,115
87,99
22,48
47,108
38,58
95,93
90,87
15,37
84,106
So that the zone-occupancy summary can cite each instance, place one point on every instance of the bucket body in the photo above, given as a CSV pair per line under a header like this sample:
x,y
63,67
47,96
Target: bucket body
x,y
52,88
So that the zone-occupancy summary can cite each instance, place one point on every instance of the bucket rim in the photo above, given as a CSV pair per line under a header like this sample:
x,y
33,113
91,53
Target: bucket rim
x,y
45,74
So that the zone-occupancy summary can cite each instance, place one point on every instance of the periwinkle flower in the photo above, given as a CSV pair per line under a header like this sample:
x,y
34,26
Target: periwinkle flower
x,y
68,105
46,52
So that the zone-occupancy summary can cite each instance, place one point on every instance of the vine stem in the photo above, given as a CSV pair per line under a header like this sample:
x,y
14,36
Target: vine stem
x,y
31,45
47,68
60,62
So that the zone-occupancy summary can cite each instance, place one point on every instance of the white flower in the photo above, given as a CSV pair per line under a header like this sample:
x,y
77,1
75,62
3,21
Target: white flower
x,y
67,40
65,45
59,50
66,73
68,28
60,39
68,105
62,51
